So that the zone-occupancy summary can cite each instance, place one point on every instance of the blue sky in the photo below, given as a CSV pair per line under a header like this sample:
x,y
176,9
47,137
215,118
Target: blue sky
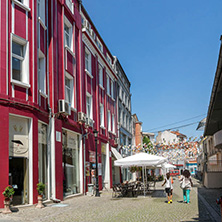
x,y
169,51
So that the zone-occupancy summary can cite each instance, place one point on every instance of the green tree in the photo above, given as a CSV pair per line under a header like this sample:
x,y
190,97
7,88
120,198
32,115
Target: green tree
x,y
147,145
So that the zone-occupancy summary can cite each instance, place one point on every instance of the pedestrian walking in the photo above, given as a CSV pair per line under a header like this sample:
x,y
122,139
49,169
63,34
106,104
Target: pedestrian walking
x,y
186,184
168,182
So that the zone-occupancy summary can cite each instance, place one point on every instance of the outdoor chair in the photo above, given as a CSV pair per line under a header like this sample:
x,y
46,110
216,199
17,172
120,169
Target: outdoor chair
x,y
152,184
116,191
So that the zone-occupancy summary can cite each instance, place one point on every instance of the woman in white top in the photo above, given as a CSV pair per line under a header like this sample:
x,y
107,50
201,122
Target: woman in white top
x,y
169,187
186,184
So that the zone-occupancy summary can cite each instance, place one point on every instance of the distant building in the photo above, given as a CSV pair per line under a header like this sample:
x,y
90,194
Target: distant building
x,y
138,135
169,137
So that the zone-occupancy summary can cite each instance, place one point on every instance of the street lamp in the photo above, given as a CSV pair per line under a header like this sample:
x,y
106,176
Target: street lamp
x,y
97,181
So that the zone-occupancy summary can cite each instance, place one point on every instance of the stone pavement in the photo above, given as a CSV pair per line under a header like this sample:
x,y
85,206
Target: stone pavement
x,y
153,207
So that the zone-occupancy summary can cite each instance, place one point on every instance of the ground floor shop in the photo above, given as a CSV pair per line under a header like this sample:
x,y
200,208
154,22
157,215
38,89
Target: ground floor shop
x,y
35,149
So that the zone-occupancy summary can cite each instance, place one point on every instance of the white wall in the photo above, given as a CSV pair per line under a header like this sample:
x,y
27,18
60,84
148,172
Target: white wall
x,y
166,137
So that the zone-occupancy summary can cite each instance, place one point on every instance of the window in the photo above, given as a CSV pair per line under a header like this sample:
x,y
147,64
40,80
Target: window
x,y
99,44
24,2
119,115
120,92
108,59
87,61
68,34
101,115
124,119
41,10
109,120
70,5
17,60
113,123
41,73
100,75
112,91
127,122
69,89
20,66
123,97
108,86
89,106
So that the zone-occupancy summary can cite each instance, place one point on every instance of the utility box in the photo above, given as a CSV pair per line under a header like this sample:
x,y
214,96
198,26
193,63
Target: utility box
x,y
90,189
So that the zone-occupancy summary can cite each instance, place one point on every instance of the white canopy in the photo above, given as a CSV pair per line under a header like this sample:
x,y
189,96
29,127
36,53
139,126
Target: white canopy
x,y
140,159
168,165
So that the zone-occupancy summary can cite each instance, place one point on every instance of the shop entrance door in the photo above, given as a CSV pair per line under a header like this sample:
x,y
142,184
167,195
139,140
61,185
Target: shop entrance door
x,y
18,178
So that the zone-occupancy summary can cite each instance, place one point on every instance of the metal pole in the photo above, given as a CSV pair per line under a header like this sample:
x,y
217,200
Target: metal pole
x,y
97,181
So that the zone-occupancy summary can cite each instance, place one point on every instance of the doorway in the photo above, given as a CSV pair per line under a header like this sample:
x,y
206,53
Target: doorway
x,y
18,178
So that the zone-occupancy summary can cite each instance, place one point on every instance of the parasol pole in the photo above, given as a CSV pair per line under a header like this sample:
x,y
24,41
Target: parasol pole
x,y
143,181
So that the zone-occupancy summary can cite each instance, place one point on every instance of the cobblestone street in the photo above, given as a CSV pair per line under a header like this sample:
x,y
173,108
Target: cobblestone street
x,y
105,208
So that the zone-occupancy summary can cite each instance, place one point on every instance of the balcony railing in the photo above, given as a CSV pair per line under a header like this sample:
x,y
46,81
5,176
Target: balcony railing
x,y
214,165
70,5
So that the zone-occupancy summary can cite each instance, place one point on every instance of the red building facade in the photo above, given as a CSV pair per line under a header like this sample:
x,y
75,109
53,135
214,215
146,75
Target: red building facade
x,y
58,84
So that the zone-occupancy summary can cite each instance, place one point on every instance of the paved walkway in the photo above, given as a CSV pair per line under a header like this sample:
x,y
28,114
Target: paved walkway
x,y
154,207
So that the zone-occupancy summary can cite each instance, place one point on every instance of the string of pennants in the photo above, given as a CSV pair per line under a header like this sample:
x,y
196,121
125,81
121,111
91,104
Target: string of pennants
x,y
173,152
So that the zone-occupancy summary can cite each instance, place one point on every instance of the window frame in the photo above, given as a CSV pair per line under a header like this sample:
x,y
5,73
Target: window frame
x,y
41,10
24,75
112,88
108,58
42,73
99,44
109,120
101,110
71,88
108,85
69,25
113,124
89,69
90,113
100,68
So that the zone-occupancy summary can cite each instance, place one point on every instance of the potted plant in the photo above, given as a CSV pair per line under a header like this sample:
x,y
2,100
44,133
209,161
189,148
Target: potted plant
x,y
40,189
8,193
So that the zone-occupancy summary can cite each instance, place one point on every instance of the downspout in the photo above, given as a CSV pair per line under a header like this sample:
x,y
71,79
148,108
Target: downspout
x,y
50,111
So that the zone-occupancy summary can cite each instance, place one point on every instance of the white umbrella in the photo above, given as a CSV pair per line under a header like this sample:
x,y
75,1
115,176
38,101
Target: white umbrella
x,y
168,165
140,159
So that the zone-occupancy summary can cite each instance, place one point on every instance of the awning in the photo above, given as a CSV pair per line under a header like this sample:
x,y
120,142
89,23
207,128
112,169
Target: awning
x,y
116,154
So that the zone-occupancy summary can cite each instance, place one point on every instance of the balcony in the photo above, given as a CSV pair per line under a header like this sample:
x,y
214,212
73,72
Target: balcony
x,y
218,139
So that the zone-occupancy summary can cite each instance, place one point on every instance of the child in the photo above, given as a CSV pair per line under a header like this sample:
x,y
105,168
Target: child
x,y
169,187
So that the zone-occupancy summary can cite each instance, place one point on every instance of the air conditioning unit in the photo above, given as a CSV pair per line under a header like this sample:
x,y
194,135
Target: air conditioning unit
x,y
93,34
81,117
64,107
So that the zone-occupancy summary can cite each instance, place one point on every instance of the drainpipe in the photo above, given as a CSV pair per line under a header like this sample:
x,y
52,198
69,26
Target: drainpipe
x,y
50,111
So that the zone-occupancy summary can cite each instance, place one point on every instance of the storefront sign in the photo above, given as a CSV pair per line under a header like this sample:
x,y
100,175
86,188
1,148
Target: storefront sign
x,y
103,148
58,136
19,146
99,169
87,168
92,156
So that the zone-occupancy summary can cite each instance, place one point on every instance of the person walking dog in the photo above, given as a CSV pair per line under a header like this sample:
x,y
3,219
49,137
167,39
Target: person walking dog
x,y
186,184
169,187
